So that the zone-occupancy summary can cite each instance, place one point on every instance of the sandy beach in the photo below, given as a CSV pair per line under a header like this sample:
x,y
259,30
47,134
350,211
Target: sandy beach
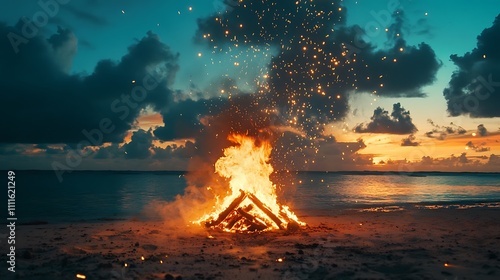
x,y
409,244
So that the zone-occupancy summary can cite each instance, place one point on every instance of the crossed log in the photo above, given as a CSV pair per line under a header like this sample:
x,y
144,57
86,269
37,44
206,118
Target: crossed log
x,y
237,213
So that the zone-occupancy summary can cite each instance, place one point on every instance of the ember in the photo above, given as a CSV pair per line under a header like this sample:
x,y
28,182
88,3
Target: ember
x,y
251,204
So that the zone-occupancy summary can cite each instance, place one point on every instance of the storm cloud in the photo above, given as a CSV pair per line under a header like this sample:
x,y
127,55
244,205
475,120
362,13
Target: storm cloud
x,y
47,104
398,122
474,88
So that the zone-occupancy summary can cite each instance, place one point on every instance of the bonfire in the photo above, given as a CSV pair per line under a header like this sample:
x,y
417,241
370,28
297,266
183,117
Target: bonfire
x,y
251,204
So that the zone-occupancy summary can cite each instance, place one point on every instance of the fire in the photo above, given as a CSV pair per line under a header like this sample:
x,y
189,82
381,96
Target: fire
x,y
251,203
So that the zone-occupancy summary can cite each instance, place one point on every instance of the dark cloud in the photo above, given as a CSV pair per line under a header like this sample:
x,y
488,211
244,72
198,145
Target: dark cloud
x,y
51,149
479,148
319,59
186,152
45,104
441,132
474,88
398,122
12,149
140,145
409,141
460,163
494,160
481,130
111,151
183,119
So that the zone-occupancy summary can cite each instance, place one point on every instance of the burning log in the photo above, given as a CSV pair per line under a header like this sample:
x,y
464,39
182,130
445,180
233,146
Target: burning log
x,y
250,221
233,220
266,210
247,165
237,217
223,215
251,218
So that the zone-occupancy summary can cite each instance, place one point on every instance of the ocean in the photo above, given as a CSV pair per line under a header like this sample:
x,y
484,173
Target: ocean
x,y
108,195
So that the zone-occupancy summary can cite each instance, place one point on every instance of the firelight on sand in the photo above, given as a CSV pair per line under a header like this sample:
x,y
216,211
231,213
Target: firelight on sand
x,y
251,203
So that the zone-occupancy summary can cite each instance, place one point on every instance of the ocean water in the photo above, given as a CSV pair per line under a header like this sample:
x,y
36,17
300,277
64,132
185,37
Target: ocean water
x,y
104,195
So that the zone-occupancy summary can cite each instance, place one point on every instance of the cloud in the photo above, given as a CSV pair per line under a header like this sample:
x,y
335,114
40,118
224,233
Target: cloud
x,y
480,148
319,60
140,145
107,152
84,15
12,149
441,132
458,163
494,160
474,88
46,104
481,130
409,141
183,119
51,149
399,122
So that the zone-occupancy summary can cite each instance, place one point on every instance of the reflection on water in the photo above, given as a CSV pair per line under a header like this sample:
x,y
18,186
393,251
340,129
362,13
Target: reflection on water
x,y
118,195
459,206
331,190
91,195
384,209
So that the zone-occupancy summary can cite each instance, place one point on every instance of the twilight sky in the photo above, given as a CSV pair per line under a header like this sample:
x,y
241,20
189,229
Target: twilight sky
x,y
335,85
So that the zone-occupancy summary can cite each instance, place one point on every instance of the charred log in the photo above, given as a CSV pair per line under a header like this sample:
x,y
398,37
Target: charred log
x,y
266,210
223,215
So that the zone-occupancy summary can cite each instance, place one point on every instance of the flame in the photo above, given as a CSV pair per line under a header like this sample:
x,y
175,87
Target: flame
x,y
247,167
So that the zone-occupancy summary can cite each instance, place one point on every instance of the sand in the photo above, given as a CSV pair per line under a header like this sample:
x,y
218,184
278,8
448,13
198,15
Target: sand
x,y
409,244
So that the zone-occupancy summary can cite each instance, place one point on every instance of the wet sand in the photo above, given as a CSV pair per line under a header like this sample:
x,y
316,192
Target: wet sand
x,y
409,244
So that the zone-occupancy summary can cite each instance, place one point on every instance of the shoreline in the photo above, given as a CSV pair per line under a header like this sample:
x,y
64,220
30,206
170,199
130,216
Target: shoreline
x,y
360,207
415,244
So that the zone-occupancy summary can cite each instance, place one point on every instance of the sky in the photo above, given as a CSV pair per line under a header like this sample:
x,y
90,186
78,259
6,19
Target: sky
x,y
335,85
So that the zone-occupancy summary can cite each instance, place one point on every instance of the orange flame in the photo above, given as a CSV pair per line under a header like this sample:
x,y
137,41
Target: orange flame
x,y
247,167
